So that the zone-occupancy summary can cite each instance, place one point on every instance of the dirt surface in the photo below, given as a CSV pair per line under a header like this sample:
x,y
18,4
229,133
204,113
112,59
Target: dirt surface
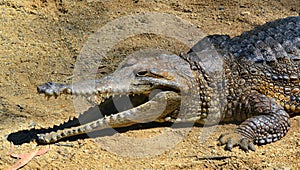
x,y
40,42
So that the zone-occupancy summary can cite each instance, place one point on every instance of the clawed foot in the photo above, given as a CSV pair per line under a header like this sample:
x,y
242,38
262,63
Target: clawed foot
x,y
231,140
53,89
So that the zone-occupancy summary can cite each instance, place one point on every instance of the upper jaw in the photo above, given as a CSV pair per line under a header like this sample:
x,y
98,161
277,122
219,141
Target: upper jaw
x,y
113,86
108,89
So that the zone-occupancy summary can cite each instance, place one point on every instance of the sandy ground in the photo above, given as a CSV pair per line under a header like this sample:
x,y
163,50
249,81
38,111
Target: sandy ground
x,y
40,42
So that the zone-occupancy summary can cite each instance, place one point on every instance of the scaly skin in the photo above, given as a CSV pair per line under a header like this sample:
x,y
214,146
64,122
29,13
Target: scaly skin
x,y
252,78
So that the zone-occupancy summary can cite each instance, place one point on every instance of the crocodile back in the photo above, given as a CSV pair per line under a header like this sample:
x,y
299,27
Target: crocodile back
x,y
267,59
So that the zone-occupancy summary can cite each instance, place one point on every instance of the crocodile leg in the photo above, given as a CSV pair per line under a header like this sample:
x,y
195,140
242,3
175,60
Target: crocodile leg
x,y
147,112
271,124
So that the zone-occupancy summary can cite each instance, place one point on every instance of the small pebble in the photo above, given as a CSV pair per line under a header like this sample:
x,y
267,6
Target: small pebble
x,y
65,144
245,13
221,8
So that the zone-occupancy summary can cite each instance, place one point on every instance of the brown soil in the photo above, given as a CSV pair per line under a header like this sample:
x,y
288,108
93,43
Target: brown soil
x,y
40,40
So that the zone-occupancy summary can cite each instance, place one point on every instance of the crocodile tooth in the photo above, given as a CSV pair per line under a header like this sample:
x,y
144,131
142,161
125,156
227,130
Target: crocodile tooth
x,y
68,91
168,118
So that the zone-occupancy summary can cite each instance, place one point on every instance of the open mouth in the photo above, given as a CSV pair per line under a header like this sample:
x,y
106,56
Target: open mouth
x,y
119,103
108,103
155,105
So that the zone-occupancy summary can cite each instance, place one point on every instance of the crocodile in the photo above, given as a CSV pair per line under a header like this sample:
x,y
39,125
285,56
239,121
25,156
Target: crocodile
x,y
252,80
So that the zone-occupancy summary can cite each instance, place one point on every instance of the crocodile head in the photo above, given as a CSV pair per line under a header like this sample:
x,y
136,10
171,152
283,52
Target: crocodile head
x,y
140,78
146,75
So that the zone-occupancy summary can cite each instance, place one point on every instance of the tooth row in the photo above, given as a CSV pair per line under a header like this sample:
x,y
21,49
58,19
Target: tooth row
x,y
84,92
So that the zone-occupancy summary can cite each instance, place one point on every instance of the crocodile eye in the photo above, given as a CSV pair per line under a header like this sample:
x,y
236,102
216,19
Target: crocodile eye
x,y
142,73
